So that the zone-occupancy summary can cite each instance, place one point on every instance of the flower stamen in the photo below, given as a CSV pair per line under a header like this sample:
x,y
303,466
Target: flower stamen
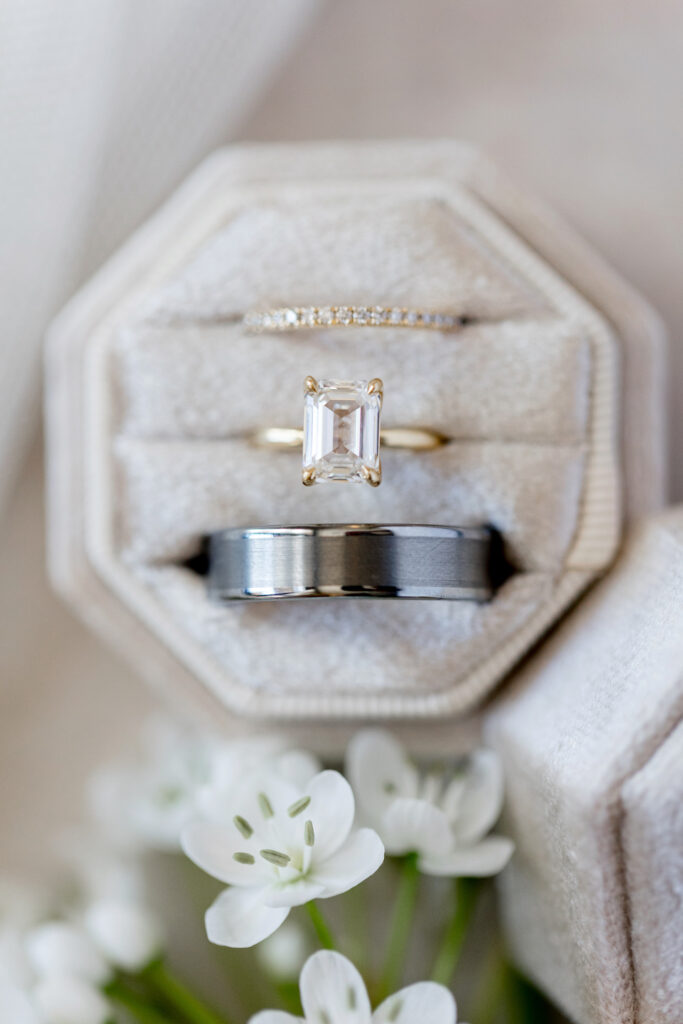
x,y
309,833
265,805
280,860
243,826
298,806
243,858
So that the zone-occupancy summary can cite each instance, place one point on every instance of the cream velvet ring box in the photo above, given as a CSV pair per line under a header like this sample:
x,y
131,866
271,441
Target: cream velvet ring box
x,y
551,393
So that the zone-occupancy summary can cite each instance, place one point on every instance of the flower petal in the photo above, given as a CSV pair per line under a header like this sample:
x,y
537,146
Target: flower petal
x,y
476,861
125,933
425,1002
482,799
411,825
17,1005
332,809
69,1000
359,857
379,771
275,1017
213,848
298,767
57,948
332,989
246,797
452,797
240,918
293,894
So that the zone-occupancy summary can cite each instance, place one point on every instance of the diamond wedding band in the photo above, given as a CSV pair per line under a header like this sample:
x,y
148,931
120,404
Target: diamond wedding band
x,y
351,560
292,318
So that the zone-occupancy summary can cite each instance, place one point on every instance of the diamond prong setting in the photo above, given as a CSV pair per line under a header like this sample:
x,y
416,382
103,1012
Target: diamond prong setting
x,y
372,476
342,432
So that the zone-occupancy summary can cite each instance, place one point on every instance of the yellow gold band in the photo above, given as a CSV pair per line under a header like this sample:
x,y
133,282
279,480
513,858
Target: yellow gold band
x,y
417,439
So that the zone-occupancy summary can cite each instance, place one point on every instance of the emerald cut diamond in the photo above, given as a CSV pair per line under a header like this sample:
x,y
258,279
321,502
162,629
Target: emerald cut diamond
x,y
341,431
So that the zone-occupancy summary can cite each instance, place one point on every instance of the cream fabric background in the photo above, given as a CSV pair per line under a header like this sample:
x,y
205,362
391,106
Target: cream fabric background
x,y
580,102
104,108
588,730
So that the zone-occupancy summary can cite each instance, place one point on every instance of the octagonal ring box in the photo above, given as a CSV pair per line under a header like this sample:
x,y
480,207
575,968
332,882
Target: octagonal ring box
x,y
551,393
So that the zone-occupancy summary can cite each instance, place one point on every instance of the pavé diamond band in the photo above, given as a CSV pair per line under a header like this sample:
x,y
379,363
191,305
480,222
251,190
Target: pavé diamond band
x,y
292,318
351,560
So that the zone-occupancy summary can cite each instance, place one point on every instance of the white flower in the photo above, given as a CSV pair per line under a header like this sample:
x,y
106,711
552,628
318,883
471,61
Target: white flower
x,y
333,991
146,801
17,1005
62,999
58,948
126,934
54,1000
51,975
246,764
284,845
444,819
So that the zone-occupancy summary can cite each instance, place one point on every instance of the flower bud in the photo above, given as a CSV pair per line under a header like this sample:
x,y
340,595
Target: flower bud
x,y
127,935
69,1000
57,948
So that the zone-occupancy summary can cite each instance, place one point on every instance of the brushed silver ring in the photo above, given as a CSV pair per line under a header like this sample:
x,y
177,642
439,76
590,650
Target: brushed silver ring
x,y
350,560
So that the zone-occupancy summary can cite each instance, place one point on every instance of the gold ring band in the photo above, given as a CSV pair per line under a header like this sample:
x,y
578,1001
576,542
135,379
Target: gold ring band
x,y
416,439
292,318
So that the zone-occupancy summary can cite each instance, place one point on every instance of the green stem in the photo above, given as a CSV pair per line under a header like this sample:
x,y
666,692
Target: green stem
x,y
489,993
401,925
357,926
136,1006
466,892
288,993
322,929
177,995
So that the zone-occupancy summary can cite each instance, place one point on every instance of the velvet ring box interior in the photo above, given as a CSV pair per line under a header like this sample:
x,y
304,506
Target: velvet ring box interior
x,y
550,393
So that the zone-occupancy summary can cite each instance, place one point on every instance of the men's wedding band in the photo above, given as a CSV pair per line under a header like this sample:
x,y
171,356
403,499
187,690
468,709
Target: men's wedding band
x,y
350,560
417,439
292,318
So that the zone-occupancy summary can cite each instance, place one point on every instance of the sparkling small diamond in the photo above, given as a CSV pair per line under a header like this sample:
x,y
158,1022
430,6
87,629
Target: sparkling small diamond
x,y
291,317
396,316
344,315
361,315
325,315
341,431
